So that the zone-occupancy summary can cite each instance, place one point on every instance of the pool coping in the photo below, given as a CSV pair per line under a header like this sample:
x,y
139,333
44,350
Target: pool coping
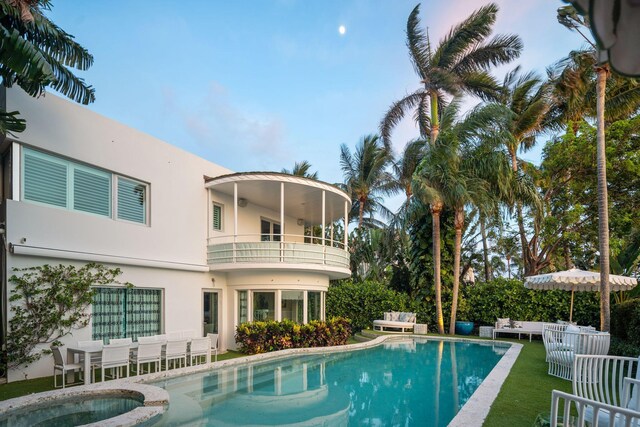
x,y
156,399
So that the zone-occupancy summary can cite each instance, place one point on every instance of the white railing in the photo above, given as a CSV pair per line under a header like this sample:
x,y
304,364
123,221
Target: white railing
x,y
286,248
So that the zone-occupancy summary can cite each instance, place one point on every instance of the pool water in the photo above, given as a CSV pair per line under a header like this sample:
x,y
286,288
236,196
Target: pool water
x,y
399,383
70,412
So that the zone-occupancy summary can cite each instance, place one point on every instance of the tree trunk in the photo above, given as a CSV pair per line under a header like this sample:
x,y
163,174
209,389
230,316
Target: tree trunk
x,y
458,224
485,251
361,214
514,161
509,267
523,239
435,120
603,204
436,210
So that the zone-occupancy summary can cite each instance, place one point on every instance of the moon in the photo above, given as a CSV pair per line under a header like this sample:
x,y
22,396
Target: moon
x,y
342,30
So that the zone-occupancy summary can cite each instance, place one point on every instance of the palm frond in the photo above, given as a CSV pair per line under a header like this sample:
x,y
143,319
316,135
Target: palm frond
x,y
418,44
397,112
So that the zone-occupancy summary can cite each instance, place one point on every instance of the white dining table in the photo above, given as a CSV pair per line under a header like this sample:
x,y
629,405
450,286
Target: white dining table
x,y
87,352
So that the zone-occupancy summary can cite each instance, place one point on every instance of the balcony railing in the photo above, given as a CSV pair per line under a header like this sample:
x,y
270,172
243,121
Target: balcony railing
x,y
262,248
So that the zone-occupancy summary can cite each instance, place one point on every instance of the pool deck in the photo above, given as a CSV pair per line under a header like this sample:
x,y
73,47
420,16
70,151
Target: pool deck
x,y
156,399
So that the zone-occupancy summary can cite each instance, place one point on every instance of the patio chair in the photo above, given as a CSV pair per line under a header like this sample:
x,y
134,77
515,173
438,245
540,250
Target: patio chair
x,y
149,339
119,341
147,353
562,347
214,344
604,414
200,347
175,350
60,364
114,356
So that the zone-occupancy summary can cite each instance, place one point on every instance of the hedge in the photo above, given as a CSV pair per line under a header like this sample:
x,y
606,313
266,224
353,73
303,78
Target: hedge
x,y
262,337
481,303
625,328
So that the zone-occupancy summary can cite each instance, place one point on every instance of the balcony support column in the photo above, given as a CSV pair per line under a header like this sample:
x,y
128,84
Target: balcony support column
x,y
235,218
282,222
346,225
324,252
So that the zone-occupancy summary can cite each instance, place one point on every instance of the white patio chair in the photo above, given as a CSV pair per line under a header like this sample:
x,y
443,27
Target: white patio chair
x,y
161,337
562,347
175,350
114,356
214,344
199,348
118,341
177,335
150,339
147,353
603,414
60,364
609,380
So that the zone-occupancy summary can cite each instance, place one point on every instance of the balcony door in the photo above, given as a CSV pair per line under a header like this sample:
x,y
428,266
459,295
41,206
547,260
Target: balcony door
x,y
269,230
210,313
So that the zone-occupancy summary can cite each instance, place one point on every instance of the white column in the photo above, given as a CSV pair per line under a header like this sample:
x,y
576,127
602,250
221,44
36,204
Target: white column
x,y
282,211
346,224
323,214
305,307
235,218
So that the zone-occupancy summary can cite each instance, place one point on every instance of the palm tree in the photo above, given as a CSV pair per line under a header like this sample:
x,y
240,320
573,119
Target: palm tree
x,y
303,169
402,170
35,54
628,101
459,64
366,178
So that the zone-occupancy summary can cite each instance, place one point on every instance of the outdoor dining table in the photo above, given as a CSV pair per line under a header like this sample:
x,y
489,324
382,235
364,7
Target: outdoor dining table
x,y
96,351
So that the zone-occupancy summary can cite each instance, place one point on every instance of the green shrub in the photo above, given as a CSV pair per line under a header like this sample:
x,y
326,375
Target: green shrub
x,y
625,328
262,337
364,302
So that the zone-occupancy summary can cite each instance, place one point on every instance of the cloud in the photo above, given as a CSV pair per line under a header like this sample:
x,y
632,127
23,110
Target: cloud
x,y
228,133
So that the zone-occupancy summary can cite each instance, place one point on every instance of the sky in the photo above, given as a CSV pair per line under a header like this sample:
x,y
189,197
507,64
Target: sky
x,y
259,85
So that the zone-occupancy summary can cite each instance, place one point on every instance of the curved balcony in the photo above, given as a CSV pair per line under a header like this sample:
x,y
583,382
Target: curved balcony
x,y
228,253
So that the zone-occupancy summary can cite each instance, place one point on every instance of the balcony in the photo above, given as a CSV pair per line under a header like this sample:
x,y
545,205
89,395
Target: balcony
x,y
267,217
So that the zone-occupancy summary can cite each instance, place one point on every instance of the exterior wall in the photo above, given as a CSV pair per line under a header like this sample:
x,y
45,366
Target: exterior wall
x,y
249,219
170,253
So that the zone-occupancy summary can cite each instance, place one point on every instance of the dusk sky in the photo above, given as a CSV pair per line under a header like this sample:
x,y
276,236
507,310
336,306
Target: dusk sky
x,y
260,85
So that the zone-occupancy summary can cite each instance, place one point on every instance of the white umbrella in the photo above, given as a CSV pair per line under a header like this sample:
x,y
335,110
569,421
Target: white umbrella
x,y
577,280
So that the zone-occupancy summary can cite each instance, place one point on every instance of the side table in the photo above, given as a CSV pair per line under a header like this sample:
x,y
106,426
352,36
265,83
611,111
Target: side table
x,y
420,328
486,331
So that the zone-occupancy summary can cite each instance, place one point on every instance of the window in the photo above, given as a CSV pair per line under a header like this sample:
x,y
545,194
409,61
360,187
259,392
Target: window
x,y
123,312
314,305
269,230
217,217
243,308
293,306
264,305
132,200
58,182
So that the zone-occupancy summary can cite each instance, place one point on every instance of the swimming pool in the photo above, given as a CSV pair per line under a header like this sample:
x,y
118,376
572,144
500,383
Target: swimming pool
x,y
410,381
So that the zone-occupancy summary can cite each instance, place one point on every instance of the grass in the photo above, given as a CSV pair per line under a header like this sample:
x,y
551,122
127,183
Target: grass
x,y
525,393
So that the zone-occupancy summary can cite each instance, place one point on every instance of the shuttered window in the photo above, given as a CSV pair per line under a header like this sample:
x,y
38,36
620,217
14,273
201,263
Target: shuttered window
x,y
217,217
45,179
58,182
132,200
91,191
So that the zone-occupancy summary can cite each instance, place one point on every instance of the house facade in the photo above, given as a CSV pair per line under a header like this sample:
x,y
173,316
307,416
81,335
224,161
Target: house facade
x,y
204,247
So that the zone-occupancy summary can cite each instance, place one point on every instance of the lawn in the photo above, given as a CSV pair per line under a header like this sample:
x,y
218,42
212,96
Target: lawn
x,y
525,394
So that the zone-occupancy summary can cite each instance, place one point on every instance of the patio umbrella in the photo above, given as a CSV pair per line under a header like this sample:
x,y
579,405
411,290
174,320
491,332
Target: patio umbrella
x,y
577,280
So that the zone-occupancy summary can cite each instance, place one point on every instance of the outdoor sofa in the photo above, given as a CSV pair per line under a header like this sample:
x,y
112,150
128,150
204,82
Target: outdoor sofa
x,y
396,320
506,326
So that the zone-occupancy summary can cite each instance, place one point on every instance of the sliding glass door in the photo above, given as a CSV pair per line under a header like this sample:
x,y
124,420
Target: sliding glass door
x,y
210,311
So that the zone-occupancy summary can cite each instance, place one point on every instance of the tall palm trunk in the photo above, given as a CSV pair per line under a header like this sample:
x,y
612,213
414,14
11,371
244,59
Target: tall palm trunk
x,y
509,267
458,224
435,120
603,205
361,213
436,210
485,250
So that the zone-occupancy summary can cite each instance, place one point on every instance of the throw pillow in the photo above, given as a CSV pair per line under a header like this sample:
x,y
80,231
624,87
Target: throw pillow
x,y
503,323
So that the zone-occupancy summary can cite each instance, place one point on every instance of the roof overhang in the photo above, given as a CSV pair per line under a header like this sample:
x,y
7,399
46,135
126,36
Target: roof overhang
x,y
302,196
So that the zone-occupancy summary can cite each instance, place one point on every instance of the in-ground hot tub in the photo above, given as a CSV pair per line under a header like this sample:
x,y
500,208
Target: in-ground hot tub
x,y
106,404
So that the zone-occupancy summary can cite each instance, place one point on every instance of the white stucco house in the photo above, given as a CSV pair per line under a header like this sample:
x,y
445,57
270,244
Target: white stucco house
x,y
205,248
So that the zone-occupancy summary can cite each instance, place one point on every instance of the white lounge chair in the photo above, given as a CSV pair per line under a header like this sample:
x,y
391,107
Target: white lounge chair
x,y
115,357
147,353
563,345
396,320
604,392
60,364
199,348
